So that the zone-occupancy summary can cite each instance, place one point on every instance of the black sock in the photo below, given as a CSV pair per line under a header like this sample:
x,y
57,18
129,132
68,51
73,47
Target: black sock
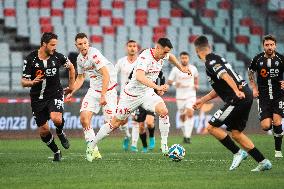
x,y
256,154
278,137
143,138
59,129
151,132
230,144
49,140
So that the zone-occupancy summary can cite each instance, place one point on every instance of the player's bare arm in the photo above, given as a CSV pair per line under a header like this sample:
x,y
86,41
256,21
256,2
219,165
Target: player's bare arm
x,y
77,85
174,61
140,76
71,71
251,76
30,83
229,80
105,82
282,84
196,83
211,95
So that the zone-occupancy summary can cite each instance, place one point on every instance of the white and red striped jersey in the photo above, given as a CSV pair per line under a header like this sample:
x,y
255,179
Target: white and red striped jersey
x,y
150,66
91,64
123,69
186,88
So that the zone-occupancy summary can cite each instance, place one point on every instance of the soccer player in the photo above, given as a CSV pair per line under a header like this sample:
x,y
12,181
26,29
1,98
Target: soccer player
x,y
102,92
269,67
124,67
186,87
234,91
140,91
41,73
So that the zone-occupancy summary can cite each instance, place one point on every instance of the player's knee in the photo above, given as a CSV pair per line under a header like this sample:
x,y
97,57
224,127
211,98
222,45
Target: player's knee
x,y
84,121
182,117
141,130
163,112
43,131
266,126
210,128
189,114
236,135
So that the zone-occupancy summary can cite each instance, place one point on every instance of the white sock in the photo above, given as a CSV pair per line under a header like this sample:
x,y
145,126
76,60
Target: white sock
x,y
89,134
125,128
181,123
200,122
103,132
189,123
164,126
135,133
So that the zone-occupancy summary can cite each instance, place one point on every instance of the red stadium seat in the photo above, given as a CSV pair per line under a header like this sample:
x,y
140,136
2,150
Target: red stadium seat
x,y
95,3
118,4
260,2
256,30
192,38
280,15
56,12
46,28
33,4
164,22
106,13
45,4
242,39
141,21
117,21
159,30
69,4
9,12
247,21
109,30
141,13
153,4
209,13
176,13
96,39
94,11
197,4
156,37
93,20
45,21
225,4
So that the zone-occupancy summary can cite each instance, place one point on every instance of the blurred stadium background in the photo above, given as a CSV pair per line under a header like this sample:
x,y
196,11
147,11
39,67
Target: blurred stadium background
x,y
234,27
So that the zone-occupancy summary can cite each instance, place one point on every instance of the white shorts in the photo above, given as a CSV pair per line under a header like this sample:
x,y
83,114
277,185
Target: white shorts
x,y
185,104
91,102
129,103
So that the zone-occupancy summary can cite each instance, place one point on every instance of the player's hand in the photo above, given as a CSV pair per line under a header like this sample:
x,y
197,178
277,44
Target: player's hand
x,y
160,93
197,105
103,100
68,97
282,84
186,70
178,84
67,90
37,80
240,95
255,92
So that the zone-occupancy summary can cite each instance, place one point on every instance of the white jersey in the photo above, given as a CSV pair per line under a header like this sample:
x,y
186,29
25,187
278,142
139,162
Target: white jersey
x,y
91,64
150,66
123,69
186,82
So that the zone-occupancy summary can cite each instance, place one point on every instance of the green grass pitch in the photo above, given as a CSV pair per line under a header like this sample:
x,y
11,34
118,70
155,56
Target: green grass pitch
x,y
25,164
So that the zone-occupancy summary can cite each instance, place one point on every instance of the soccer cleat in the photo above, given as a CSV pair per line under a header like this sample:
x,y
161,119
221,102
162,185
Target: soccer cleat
x,y
96,153
133,149
262,166
164,149
57,156
186,140
125,144
64,141
144,150
89,152
152,143
278,154
238,157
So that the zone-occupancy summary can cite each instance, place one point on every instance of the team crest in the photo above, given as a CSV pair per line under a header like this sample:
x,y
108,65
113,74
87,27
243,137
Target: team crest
x,y
276,63
261,63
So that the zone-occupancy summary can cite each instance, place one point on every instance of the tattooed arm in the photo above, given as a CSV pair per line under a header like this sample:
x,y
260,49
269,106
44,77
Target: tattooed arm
x,y
251,75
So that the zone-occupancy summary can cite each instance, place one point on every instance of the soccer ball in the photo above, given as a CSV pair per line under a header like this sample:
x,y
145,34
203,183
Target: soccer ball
x,y
176,152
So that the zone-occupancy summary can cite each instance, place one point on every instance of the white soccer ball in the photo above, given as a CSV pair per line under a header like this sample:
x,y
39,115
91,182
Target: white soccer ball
x,y
176,152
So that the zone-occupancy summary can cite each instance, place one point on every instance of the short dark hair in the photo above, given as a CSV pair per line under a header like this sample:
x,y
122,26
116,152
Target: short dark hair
x,y
184,53
165,42
131,41
268,37
80,36
201,41
46,37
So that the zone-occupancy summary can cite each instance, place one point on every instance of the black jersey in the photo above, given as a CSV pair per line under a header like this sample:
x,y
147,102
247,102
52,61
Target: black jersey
x,y
269,73
48,70
215,66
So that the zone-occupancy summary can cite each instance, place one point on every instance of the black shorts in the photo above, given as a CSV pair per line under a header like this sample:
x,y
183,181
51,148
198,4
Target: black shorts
x,y
42,108
234,114
267,107
141,113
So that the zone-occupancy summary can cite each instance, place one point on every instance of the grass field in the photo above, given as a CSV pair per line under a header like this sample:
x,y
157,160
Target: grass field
x,y
25,164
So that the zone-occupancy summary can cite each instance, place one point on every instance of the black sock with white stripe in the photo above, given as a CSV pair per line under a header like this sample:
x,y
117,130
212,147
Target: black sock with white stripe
x,y
256,154
277,132
49,140
59,129
230,144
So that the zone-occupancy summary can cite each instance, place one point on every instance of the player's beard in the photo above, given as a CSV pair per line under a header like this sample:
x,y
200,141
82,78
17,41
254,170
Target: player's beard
x,y
49,52
184,63
269,52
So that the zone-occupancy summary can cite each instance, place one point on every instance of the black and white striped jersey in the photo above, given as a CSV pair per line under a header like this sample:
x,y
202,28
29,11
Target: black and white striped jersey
x,y
46,69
